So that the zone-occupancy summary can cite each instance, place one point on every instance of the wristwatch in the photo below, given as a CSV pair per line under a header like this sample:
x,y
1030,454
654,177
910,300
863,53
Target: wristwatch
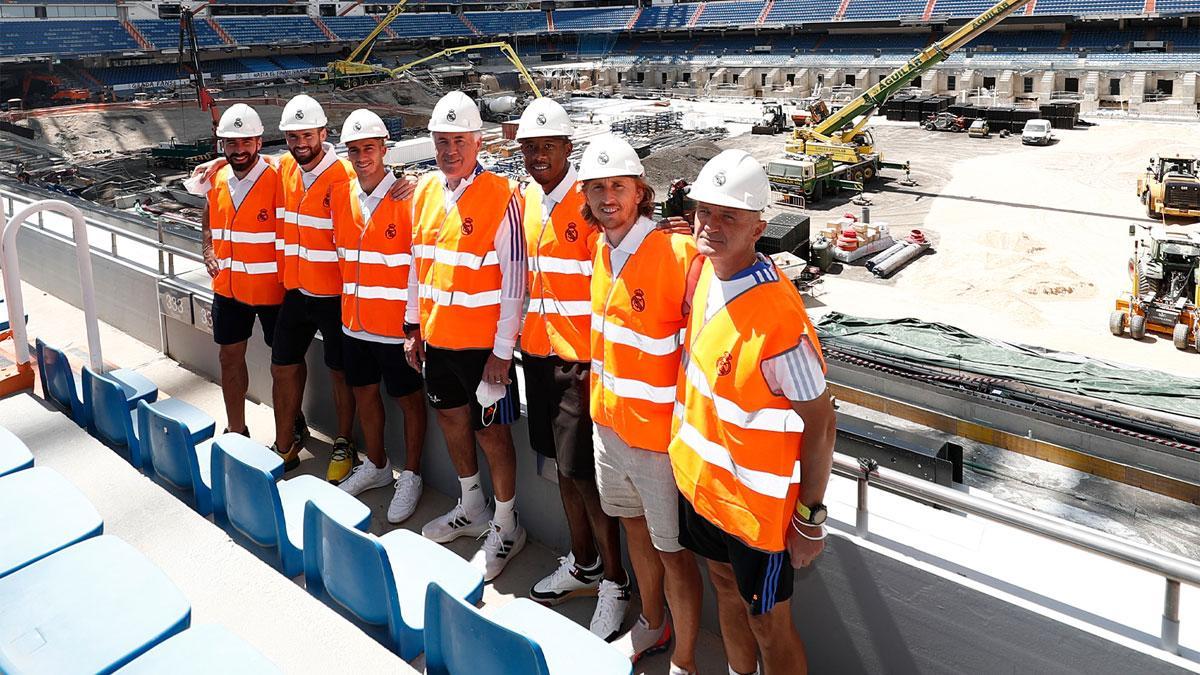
x,y
411,328
811,515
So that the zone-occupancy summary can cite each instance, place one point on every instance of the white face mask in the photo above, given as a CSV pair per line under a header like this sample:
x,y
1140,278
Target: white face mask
x,y
488,393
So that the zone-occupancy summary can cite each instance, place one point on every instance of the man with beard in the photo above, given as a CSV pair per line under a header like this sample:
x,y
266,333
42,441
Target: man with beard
x,y
639,305
239,229
468,273
374,242
556,355
307,176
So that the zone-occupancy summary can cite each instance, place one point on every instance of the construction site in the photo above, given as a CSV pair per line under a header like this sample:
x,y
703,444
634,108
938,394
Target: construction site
x,y
991,210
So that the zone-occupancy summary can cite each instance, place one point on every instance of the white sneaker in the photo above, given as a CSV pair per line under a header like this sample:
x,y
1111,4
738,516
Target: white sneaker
x,y
566,582
367,476
404,502
642,641
457,523
498,548
610,609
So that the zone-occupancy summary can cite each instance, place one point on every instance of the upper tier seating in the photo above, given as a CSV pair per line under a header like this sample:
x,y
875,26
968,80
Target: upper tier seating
x,y
860,10
730,13
508,23
1083,7
428,24
164,33
65,36
351,27
798,11
1178,7
666,17
265,30
605,19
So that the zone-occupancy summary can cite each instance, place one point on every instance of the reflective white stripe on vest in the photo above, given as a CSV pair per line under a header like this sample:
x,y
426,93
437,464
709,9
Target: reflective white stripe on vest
x,y
767,484
248,268
560,307
237,237
288,216
279,246
541,263
374,257
459,298
375,292
310,255
281,213
767,419
314,222
629,388
456,258
631,338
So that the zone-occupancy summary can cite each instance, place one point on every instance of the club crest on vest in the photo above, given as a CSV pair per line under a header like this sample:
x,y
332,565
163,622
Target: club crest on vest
x,y
725,364
468,226
638,301
263,215
572,233
390,232
325,202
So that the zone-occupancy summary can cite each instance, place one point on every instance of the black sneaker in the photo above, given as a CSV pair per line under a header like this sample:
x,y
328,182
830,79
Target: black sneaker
x,y
300,429
291,459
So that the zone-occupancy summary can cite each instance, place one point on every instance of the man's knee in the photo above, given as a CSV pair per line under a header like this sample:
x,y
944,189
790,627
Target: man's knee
x,y
773,628
722,578
232,356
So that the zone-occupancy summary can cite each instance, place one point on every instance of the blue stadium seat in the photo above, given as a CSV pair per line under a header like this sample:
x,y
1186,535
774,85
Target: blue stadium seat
x,y
1086,7
729,13
1178,7
164,33
382,581
255,509
428,24
265,30
963,8
521,638
799,11
508,23
202,650
113,405
90,608
594,19
40,513
665,17
61,37
351,27
173,453
59,385
14,454
864,10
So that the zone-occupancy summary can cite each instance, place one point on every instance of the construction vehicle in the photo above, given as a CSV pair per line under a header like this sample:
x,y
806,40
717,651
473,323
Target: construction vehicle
x,y
1171,186
946,122
843,136
174,153
773,120
815,176
1165,290
355,65
979,129
504,48
678,204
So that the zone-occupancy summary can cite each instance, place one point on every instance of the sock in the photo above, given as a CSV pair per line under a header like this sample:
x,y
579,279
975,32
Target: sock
x,y
678,670
387,464
473,499
506,518
734,672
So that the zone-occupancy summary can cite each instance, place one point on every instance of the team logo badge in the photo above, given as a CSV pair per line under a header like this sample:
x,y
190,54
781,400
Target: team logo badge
x,y
572,233
325,202
299,114
390,232
358,126
725,364
451,116
237,122
468,226
602,158
263,215
541,120
719,179
638,301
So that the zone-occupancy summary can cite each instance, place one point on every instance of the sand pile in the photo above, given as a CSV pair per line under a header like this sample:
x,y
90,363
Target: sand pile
x,y
664,166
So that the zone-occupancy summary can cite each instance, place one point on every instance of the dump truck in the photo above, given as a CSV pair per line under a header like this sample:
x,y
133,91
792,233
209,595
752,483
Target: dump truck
x,y
1165,289
1170,186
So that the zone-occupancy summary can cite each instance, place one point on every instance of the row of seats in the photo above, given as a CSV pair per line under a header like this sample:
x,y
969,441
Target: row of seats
x,y
409,593
802,11
874,11
508,23
64,37
164,34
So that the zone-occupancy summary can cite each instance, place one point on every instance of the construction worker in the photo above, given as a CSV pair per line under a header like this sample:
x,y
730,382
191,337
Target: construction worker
x,y
638,297
373,233
469,275
308,174
239,228
753,437
555,353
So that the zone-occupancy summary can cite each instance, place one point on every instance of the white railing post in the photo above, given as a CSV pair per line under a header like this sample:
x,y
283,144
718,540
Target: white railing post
x,y
12,278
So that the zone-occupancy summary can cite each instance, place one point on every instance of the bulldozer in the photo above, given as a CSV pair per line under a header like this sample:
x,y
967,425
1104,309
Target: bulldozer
x,y
773,120
1165,291
1170,186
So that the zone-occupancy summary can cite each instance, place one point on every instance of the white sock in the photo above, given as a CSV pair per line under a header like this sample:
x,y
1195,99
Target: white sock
x,y
679,670
734,672
473,499
505,517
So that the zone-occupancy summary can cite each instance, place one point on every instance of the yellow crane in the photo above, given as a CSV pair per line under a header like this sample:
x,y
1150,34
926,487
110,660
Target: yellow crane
x,y
356,62
504,48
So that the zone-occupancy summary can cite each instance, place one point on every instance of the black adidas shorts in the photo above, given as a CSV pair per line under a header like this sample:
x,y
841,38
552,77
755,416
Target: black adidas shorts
x,y
233,320
300,317
451,377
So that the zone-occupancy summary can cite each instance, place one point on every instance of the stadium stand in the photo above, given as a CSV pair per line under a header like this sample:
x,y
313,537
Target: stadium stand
x,y
602,19
1086,7
1178,7
730,13
272,29
164,34
429,24
158,72
62,37
868,10
960,8
1011,40
350,27
508,23
1180,38
665,17
902,42
793,11
1103,39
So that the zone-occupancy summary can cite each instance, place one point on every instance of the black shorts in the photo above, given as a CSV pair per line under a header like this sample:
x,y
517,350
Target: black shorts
x,y
560,421
300,317
367,362
453,375
763,579
233,320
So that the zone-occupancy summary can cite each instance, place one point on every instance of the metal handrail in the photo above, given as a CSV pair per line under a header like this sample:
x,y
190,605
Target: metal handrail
x,y
1174,569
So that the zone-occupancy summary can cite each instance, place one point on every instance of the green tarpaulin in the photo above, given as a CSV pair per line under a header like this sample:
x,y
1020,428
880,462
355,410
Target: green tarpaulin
x,y
949,347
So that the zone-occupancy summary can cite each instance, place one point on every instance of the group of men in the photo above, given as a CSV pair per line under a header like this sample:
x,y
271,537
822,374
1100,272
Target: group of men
x,y
673,376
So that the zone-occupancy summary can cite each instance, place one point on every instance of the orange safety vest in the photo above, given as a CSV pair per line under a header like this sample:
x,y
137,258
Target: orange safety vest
x,y
458,271
243,240
561,251
310,261
375,257
736,445
636,333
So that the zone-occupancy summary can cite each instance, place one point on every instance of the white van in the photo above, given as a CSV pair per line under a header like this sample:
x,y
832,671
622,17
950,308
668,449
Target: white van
x,y
1037,132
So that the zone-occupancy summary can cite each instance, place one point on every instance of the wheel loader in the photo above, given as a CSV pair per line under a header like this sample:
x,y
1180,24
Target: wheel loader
x,y
1165,291
1170,186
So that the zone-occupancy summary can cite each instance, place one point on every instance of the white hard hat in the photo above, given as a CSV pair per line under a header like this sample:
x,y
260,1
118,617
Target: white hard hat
x,y
363,123
455,113
734,179
609,156
302,112
239,121
544,117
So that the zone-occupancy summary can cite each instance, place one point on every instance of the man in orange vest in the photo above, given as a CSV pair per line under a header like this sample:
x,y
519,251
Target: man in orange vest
x,y
239,251
469,273
555,352
639,309
754,428
373,232
308,174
